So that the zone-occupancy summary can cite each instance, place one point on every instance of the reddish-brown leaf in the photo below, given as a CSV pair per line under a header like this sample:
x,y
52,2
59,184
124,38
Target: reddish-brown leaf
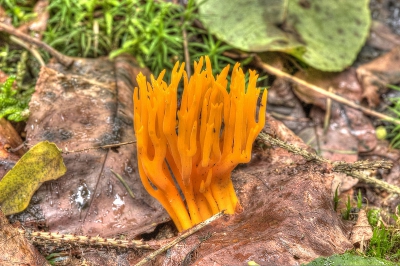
x,y
88,105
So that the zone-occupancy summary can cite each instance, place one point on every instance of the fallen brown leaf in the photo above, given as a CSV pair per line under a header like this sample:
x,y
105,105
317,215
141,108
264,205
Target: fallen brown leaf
x,y
382,37
377,73
15,249
288,215
88,105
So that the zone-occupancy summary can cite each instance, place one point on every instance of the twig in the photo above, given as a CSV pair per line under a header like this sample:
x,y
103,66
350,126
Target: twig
x,y
376,182
328,112
120,178
186,52
179,238
101,147
290,147
63,59
274,71
31,49
96,36
360,166
40,237
81,150
185,45
351,169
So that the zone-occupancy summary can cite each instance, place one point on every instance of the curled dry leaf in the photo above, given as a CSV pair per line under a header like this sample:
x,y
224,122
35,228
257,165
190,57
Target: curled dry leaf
x,y
362,232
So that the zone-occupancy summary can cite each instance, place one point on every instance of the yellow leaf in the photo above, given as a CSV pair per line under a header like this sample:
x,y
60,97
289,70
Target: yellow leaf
x,y
41,163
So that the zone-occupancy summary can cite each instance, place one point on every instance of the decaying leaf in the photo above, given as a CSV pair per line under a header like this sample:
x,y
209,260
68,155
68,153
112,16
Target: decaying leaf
x,y
15,249
41,163
89,105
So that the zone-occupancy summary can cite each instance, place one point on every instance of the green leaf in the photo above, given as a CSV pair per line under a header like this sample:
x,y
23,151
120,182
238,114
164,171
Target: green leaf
x,y
109,22
325,34
115,53
41,163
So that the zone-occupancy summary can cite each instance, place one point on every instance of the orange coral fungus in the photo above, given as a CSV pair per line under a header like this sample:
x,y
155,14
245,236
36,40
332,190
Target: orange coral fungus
x,y
197,145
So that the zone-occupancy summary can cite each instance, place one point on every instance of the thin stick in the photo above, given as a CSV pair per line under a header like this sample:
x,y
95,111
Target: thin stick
x,y
351,169
63,59
189,232
327,113
31,49
39,237
186,52
101,147
96,36
185,45
274,71
376,182
120,178
81,150
290,147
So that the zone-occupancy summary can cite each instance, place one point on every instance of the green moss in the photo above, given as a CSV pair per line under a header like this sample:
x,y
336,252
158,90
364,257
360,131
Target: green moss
x,y
349,259
14,103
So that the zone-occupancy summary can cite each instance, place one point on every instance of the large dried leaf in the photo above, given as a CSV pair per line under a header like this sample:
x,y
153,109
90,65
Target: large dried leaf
x,y
43,162
88,105
287,217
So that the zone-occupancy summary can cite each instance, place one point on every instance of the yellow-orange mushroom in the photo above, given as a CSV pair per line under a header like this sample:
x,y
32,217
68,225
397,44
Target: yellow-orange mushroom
x,y
197,145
